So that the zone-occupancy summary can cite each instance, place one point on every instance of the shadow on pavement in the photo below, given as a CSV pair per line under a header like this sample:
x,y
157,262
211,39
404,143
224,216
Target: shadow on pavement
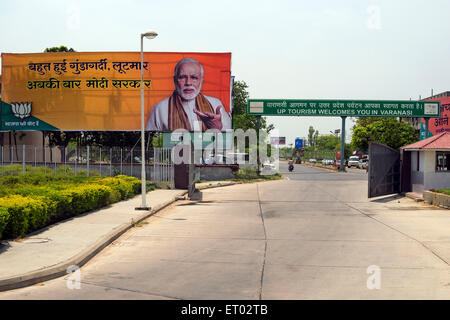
x,y
4,246
387,198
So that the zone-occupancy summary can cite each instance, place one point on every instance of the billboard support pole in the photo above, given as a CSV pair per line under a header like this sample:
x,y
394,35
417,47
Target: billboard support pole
x,y
149,35
258,118
342,168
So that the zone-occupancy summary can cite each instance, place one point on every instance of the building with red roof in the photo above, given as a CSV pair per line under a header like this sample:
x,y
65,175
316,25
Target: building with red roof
x,y
428,164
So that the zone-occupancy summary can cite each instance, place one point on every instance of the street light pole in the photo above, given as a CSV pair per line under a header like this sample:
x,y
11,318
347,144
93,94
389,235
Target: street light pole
x,y
149,35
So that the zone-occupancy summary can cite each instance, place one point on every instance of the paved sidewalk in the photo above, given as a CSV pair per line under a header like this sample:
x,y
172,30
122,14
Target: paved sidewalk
x,y
47,253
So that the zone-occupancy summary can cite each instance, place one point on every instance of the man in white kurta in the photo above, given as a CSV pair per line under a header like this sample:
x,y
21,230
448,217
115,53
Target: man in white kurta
x,y
158,120
187,108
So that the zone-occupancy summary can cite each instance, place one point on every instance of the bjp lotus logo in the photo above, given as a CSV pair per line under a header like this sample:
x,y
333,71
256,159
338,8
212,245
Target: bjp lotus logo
x,y
21,110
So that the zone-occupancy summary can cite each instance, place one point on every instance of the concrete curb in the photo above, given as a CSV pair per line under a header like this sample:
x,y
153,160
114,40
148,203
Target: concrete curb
x,y
414,196
437,199
80,259
221,184
320,167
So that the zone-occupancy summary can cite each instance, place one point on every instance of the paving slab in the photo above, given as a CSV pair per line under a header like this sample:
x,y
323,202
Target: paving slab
x,y
47,253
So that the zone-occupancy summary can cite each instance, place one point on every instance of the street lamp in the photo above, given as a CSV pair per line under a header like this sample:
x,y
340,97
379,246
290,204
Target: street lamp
x,y
149,35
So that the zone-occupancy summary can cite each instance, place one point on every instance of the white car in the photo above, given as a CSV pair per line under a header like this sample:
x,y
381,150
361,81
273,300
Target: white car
x,y
353,161
312,160
363,163
328,162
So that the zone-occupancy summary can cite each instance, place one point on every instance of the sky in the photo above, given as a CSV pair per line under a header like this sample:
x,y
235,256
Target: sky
x,y
323,49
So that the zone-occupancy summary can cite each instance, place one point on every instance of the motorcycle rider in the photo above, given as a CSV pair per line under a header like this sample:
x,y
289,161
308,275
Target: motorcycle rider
x,y
291,165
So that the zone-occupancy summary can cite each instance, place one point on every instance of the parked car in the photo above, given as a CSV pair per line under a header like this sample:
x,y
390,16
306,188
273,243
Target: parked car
x,y
353,161
337,162
362,164
312,160
328,161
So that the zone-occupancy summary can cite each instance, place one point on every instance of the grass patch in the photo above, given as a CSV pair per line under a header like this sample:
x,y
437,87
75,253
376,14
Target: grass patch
x,y
320,165
251,175
444,191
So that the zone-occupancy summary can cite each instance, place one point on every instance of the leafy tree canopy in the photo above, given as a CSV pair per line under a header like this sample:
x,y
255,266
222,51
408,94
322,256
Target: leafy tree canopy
x,y
240,117
59,49
388,131
327,142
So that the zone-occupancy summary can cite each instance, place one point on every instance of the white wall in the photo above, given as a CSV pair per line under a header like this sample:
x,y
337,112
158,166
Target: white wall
x,y
417,177
427,178
433,179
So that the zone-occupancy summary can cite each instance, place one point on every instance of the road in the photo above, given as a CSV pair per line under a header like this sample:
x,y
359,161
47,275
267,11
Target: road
x,y
314,235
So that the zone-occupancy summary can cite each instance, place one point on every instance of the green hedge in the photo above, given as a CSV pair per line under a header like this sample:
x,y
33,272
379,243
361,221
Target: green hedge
x,y
30,202
444,191
25,214
4,218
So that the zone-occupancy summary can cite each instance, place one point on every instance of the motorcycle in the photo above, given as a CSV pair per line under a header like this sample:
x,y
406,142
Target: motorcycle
x,y
291,167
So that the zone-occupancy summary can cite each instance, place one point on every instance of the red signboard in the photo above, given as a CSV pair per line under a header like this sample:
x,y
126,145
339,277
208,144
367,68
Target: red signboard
x,y
439,125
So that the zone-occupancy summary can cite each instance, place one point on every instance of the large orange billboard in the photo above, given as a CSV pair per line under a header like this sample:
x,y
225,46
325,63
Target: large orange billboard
x,y
101,91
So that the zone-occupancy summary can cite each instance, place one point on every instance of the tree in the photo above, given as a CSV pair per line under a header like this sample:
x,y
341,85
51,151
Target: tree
x,y
388,131
348,150
59,49
286,152
311,136
241,120
327,142
316,135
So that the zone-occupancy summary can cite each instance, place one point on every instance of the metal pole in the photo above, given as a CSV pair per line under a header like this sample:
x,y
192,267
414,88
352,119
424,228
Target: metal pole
x,y
121,160
161,167
65,161
158,166
165,168
426,127
2,160
154,161
76,159
110,162
257,143
45,162
55,160
87,165
100,161
35,161
11,153
341,168
143,180
23,159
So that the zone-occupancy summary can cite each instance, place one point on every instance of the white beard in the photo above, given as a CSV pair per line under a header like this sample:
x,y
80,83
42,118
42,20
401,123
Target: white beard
x,y
190,96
